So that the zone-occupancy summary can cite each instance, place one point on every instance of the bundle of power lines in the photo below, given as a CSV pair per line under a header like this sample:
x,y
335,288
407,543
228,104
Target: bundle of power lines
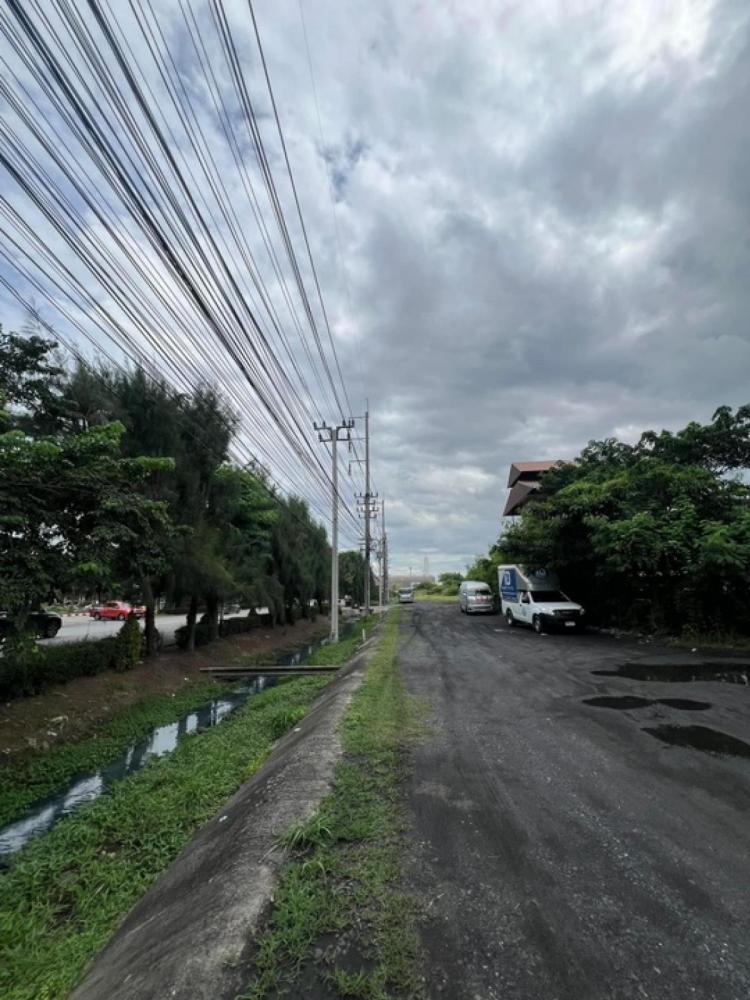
x,y
141,203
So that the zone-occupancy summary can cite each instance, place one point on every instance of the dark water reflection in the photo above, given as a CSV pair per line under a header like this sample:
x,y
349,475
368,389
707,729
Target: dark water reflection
x,y
85,787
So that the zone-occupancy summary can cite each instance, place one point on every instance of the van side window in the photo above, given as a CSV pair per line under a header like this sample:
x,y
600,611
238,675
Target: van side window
x,y
525,599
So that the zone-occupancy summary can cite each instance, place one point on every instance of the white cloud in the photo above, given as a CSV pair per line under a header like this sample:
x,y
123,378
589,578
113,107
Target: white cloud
x,y
540,211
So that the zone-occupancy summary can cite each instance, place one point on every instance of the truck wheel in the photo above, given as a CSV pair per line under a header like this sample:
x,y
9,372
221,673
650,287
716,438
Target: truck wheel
x,y
97,617
509,618
537,625
121,618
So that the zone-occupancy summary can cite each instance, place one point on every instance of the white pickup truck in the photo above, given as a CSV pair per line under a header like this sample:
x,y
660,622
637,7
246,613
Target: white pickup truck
x,y
533,597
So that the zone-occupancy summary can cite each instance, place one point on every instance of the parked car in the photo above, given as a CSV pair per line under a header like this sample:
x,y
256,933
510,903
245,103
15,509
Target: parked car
x,y
475,597
46,624
115,611
406,595
533,597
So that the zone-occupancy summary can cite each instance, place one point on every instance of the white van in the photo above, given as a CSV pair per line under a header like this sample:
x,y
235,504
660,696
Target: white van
x,y
475,596
533,597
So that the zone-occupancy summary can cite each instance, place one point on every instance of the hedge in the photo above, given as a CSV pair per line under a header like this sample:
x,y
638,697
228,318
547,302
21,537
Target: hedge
x,y
230,626
30,669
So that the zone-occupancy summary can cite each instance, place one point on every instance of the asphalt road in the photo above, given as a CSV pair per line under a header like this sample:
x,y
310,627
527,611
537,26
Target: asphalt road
x,y
563,852
76,628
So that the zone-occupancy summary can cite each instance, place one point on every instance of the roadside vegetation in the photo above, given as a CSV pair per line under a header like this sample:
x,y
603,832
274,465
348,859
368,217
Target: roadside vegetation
x,y
136,478
34,774
64,894
445,589
337,653
112,483
652,536
342,922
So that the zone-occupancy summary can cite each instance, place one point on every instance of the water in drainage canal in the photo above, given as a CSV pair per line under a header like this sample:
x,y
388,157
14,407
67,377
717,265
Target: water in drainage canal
x,y
42,815
85,787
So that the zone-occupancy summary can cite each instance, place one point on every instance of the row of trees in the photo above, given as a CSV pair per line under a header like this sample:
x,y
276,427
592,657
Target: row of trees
x,y
447,585
112,483
352,577
655,534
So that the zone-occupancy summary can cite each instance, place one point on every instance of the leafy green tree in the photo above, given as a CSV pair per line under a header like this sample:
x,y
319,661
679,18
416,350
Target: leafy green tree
x,y
70,503
67,506
652,534
30,383
449,583
484,568
299,552
352,576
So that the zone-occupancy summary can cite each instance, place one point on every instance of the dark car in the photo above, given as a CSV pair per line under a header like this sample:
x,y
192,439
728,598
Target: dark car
x,y
45,624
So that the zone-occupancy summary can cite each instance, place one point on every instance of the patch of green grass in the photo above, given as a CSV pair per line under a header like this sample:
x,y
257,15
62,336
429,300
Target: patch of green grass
x,y
731,641
29,776
343,883
333,654
64,893
438,598
33,774
328,655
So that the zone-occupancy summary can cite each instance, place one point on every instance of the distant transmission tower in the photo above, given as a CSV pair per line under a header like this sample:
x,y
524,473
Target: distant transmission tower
x,y
426,565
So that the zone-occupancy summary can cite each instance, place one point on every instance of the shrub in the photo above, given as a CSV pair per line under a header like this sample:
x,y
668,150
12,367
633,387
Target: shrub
x,y
230,626
127,650
29,670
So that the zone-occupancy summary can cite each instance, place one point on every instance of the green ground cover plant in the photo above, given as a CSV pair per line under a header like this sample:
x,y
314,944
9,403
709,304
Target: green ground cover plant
x,y
32,775
64,894
341,919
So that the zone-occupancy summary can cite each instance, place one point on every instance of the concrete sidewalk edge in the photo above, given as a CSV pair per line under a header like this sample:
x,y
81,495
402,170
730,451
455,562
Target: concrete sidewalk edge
x,y
185,939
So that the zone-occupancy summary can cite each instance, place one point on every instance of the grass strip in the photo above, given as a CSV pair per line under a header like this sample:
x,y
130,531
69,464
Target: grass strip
x,y
340,920
64,893
720,641
327,655
30,776
27,777
335,653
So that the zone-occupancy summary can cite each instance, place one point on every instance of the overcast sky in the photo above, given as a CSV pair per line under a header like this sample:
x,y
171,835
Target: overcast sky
x,y
543,232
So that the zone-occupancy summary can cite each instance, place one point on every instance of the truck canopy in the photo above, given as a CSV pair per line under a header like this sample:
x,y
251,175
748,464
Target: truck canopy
x,y
512,579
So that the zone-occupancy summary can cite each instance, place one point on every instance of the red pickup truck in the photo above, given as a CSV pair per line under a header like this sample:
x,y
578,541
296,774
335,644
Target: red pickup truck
x,y
116,611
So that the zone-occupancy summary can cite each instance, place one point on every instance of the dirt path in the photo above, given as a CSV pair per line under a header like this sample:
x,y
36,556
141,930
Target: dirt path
x,y
72,711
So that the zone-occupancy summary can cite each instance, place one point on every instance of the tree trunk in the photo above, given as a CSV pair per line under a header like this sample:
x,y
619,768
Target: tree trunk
x,y
152,646
192,617
212,615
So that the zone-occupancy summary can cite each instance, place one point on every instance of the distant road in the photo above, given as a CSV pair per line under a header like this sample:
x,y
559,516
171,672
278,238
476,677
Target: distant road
x,y
75,628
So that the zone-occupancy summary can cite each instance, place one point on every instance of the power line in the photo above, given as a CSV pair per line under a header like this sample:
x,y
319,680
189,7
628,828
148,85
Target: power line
x,y
198,290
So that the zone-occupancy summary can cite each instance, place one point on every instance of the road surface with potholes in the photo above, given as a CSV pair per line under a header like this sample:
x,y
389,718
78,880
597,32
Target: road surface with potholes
x,y
581,823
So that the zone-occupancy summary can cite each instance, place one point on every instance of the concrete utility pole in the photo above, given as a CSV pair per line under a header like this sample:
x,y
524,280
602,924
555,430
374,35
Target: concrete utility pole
x,y
366,502
380,573
384,555
326,433
368,540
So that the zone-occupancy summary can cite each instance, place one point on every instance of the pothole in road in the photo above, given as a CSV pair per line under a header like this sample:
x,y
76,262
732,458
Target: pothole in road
x,y
685,704
678,670
627,701
700,738
623,702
